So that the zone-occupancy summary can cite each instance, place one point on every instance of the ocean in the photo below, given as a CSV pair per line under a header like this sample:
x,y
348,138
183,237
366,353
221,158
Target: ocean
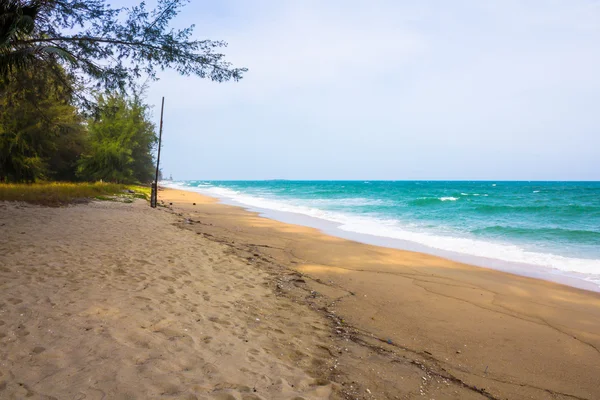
x,y
549,230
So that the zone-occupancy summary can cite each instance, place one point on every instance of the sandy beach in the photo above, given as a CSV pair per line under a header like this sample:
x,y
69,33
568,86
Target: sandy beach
x,y
203,300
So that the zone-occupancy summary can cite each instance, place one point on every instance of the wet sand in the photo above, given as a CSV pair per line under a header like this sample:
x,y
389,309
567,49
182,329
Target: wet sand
x,y
513,336
112,300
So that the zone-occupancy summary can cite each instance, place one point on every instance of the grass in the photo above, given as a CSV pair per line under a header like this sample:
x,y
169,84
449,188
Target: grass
x,y
61,193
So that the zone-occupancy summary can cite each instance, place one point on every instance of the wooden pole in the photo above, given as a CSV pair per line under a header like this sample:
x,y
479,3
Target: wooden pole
x,y
162,108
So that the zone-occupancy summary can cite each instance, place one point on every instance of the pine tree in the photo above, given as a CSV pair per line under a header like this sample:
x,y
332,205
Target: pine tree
x,y
104,47
40,130
120,142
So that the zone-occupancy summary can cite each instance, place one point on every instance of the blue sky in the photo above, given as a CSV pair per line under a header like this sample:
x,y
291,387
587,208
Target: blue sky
x,y
390,90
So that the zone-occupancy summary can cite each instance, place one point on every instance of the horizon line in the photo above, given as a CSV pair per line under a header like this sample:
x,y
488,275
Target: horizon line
x,y
387,180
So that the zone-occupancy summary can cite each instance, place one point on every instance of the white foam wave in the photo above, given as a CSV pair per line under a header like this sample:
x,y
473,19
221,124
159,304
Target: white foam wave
x,y
173,184
448,198
387,228
479,248
595,280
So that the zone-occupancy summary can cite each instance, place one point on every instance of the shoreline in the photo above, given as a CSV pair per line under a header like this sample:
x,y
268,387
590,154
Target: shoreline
x,y
511,335
569,278
203,300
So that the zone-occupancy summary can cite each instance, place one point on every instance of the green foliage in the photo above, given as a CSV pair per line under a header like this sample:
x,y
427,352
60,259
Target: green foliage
x,y
103,46
42,136
54,54
16,21
41,133
120,142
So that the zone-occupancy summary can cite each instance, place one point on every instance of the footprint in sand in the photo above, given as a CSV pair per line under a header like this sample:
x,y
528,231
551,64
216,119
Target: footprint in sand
x,y
216,320
210,369
224,396
21,331
252,397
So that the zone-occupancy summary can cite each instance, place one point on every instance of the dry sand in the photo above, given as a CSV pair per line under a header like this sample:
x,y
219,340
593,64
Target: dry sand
x,y
112,301
119,301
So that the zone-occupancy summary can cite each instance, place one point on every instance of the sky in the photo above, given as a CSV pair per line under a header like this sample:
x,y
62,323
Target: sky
x,y
396,90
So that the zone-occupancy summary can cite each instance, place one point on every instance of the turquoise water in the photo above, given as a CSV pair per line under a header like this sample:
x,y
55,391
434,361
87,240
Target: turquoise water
x,y
552,225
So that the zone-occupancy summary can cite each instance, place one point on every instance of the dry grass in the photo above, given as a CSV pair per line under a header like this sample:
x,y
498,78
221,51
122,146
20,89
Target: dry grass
x,y
61,193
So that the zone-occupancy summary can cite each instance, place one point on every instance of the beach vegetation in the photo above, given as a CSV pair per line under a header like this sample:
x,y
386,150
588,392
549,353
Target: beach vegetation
x,y
43,136
62,193
120,142
41,131
105,47
70,104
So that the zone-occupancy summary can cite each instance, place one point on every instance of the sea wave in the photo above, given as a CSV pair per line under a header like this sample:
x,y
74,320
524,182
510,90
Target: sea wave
x,y
391,228
563,235
476,247
349,202
428,201
571,209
